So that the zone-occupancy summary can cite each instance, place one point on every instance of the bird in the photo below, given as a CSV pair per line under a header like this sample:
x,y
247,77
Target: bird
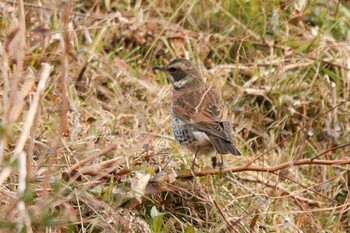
x,y
199,116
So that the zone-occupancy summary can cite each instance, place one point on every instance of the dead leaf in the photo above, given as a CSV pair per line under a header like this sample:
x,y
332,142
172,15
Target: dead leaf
x,y
138,185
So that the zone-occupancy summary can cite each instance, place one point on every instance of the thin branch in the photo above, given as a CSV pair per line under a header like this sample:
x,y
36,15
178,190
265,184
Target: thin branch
x,y
331,149
278,167
223,216
307,188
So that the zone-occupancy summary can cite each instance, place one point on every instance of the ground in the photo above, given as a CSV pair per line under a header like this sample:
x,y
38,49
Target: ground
x,y
85,139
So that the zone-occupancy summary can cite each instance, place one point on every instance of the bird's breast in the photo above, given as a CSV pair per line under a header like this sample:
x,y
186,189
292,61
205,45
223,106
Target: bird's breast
x,y
187,135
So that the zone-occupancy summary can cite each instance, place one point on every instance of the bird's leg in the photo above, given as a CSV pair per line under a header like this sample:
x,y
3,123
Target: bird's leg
x,y
194,159
214,162
222,161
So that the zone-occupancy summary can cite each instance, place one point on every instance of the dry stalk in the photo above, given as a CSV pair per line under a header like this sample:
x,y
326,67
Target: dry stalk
x,y
29,119
97,169
65,69
63,131
30,148
273,185
5,95
20,40
23,220
92,157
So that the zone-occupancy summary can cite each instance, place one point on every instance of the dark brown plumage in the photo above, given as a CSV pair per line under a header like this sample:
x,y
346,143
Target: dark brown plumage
x,y
199,116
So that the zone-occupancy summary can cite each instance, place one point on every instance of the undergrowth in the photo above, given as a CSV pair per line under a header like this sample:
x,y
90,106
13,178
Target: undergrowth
x,y
99,155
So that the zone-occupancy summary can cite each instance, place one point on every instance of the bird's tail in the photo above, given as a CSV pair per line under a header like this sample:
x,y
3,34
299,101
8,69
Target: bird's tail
x,y
223,146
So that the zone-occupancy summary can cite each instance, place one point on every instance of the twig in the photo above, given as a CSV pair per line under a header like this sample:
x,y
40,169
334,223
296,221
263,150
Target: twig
x,y
333,148
223,216
307,188
279,167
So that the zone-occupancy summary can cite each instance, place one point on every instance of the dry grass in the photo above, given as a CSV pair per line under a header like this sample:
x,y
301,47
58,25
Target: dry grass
x,y
89,150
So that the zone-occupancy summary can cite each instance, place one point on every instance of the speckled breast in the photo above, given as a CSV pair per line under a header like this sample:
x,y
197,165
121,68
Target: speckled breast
x,y
190,137
183,132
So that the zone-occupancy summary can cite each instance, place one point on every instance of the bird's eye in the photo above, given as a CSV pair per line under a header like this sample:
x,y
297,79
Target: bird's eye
x,y
172,69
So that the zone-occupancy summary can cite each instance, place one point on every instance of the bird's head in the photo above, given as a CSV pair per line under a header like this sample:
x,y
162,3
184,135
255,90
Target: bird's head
x,y
181,74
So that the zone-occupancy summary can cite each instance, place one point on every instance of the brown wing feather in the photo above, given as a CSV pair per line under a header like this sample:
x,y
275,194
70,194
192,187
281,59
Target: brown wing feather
x,y
207,114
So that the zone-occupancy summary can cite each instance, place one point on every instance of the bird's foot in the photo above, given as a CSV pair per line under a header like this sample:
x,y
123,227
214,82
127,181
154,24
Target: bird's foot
x,y
217,164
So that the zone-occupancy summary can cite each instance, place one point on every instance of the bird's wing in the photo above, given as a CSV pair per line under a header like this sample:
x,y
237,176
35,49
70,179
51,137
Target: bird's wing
x,y
205,111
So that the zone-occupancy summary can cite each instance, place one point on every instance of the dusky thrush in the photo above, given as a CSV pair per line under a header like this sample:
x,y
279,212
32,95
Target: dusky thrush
x,y
199,117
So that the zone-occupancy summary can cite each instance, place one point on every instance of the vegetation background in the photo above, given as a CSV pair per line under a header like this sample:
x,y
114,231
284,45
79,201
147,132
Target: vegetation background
x,y
85,138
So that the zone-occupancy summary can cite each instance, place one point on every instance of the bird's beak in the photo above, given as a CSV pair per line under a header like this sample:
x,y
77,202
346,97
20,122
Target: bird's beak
x,y
162,68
